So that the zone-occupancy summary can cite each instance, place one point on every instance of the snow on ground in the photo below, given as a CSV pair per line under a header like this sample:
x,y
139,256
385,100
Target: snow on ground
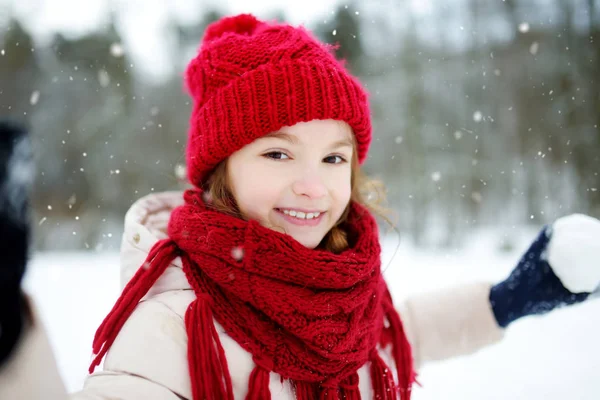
x,y
554,357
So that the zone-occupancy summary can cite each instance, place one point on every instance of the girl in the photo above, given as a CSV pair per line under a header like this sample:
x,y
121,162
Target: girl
x,y
264,279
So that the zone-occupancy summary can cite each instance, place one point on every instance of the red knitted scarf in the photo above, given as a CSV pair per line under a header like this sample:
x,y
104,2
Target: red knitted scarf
x,y
312,316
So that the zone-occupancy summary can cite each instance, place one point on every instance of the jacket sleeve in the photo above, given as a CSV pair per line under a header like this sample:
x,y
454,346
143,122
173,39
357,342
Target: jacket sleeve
x,y
449,322
32,372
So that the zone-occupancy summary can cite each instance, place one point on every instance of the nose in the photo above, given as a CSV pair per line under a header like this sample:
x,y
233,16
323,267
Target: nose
x,y
309,185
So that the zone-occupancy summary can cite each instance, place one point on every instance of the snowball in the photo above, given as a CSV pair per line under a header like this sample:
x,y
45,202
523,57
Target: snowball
x,y
574,252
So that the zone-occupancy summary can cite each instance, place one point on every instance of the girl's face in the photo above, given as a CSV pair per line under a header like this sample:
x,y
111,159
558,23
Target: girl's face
x,y
295,180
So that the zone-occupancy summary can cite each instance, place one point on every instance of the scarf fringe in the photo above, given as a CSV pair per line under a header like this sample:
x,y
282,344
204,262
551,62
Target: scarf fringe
x,y
401,348
305,390
349,388
159,258
329,393
258,386
209,373
382,379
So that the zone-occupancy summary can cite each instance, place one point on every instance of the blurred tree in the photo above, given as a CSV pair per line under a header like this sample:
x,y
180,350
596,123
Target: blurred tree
x,y
19,71
345,30
190,36
483,113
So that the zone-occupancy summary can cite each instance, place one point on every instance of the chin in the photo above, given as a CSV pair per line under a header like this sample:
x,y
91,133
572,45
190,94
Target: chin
x,y
309,243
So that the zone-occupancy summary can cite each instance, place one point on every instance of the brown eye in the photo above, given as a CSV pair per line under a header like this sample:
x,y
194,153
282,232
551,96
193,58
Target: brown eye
x,y
334,159
276,155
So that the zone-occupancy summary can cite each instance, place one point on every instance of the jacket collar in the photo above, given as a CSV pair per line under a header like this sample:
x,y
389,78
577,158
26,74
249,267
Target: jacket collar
x,y
145,223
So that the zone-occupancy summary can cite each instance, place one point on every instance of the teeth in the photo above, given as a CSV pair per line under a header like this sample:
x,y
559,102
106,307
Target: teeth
x,y
301,215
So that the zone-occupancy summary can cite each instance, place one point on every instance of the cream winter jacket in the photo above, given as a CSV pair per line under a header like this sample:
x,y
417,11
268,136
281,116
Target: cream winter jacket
x,y
148,360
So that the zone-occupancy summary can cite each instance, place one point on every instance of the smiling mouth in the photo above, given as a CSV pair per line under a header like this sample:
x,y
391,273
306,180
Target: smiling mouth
x,y
301,218
300,214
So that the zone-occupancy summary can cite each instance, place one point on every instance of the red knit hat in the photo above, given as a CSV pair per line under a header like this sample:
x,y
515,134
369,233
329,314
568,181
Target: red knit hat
x,y
251,78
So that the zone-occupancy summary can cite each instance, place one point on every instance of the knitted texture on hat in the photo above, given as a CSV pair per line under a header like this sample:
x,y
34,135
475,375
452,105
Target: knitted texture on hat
x,y
251,78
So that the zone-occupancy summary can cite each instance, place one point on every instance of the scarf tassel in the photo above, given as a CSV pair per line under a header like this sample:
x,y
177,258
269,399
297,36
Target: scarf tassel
x,y
401,348
305,390
329,393
382,379
349,388
159,258
258,386
206,357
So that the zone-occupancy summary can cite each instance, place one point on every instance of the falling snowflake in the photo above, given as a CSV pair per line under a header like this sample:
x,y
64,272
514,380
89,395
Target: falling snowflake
x,y
103,78
35,97
334,32
524,27
207,197
436,176
237,253
477,116
399,139
180,171
458,135
533,49
116,50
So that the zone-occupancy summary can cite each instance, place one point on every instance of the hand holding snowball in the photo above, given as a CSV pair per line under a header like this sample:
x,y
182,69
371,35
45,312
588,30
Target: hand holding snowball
x,y
561,267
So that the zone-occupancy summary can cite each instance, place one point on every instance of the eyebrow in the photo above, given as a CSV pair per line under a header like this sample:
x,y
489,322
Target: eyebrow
x,y
342,143
294,140
284,136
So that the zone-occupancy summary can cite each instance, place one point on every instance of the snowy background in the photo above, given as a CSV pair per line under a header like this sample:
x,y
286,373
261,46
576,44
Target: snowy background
x,y
555,357
485,113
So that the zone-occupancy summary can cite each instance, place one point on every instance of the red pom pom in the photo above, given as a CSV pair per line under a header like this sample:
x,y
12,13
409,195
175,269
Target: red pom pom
x,y
243,24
